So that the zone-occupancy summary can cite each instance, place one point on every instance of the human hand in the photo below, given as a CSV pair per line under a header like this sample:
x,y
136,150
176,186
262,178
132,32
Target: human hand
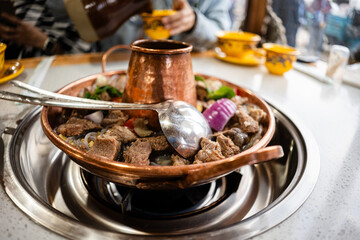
x,y
181,21
22,33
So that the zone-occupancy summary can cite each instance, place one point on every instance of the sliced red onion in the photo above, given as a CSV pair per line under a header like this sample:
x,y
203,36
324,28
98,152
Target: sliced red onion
x,y
219,113
96,117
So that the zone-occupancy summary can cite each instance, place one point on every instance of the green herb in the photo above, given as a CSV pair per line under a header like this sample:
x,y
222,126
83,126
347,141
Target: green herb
x,y
222,92
199,78
113,92
87,95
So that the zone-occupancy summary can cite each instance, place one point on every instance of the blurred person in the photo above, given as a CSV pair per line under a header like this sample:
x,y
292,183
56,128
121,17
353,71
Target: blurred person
x,y
49,30
195,22
319,9
269,26
273,29
35,30
288,11
237,13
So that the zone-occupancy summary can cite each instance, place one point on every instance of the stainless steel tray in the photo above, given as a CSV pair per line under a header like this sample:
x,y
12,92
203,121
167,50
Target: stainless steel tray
x,y
45,184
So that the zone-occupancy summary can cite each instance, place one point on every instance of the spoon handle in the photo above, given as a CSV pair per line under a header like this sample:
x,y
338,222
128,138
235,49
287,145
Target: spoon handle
x,y
66,103
209,171
47,98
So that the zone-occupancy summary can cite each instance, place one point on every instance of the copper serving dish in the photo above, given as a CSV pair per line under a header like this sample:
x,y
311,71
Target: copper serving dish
x,y
159,70
160,177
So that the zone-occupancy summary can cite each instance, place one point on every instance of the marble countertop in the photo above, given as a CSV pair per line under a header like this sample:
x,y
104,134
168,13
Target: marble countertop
x,y
331,113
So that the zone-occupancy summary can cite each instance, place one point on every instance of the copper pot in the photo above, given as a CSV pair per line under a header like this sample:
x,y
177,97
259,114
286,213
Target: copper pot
x,y
161,177
158,70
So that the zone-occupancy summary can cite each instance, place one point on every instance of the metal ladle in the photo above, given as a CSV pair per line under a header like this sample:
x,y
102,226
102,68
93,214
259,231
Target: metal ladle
x,y
183,125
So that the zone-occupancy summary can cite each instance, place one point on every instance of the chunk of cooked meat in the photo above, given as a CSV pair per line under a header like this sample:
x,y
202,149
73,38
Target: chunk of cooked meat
x,y
77,126
238,137
138,153
104,96
210,151
179,161
79,113
246,122
106,146
158,143
117,117
228,148
254,139
201,91
257,113
239,101
207,104
121,133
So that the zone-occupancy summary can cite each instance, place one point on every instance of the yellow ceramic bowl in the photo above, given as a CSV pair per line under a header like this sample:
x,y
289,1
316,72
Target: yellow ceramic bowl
x,y
237,44
153,26
2,55
279,58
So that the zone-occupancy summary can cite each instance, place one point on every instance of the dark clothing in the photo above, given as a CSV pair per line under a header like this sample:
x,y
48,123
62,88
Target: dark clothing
x,y
288,12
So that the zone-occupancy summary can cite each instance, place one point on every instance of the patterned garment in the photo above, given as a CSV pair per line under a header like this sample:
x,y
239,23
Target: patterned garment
x,y
38,13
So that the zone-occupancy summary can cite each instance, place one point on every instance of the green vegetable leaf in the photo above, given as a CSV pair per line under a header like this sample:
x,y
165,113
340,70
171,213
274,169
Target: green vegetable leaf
x,y
91,96
87,95
113,92
100,90
222,92
199,78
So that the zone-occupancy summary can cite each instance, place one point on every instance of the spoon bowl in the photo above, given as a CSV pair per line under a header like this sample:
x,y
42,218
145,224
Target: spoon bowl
x,y
183,125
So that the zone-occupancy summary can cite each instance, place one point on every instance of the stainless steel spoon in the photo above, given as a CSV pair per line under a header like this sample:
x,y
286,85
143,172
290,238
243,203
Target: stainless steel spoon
x,y
183,125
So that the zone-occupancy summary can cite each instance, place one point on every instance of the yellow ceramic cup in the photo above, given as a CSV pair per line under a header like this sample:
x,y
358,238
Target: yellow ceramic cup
x,y
237,44
2,55
153,26
279,58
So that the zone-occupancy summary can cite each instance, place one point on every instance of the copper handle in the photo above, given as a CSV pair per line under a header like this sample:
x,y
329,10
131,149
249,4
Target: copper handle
x,y
109,51
210,171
